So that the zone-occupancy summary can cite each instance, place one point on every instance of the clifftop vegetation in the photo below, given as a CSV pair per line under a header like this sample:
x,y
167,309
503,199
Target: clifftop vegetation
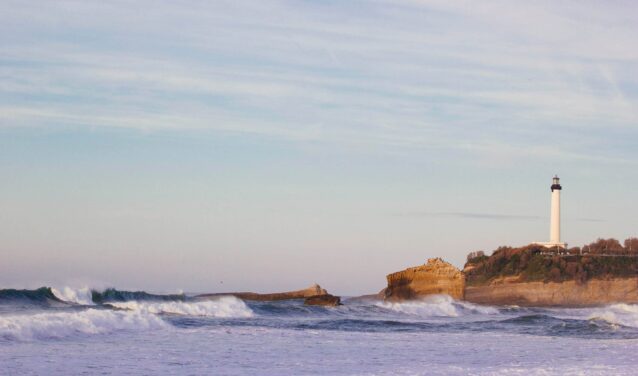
x,y
604,258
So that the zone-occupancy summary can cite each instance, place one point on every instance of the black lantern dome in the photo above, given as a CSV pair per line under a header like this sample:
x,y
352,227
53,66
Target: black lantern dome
x,y
556,183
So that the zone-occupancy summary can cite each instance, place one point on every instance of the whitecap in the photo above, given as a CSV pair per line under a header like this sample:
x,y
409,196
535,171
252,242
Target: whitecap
x,y
223,307
71,324
81,296
619,314
435,305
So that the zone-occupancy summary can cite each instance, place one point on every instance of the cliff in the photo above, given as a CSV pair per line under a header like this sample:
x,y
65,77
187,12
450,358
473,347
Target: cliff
x,y
314,290
434,277
527,276
535,276
566,293
534,263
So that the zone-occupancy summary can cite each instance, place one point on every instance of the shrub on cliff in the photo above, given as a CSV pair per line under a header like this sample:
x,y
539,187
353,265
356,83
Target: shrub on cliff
x,y
475,257
631,246
604,247
605,258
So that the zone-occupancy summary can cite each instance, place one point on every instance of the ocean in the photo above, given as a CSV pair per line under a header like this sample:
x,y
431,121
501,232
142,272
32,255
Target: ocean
x,y
79,332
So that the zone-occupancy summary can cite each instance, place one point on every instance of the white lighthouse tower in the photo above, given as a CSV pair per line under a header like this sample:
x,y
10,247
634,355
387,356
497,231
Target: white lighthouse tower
x,y
554,229
554,222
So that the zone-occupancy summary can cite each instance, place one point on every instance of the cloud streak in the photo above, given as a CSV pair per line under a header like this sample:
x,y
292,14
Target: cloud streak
x,y
494,77
468,215
491,216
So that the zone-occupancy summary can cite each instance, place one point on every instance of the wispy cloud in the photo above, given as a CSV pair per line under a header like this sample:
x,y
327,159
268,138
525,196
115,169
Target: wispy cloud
x,y
597,220
497,77
467,215
491,216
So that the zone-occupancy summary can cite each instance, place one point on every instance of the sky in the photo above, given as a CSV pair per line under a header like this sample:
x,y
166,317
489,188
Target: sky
x,y
267,145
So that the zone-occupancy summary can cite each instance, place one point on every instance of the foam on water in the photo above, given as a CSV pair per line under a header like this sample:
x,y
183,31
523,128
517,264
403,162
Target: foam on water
x,y
437,306
56,325
74,295
224,307
175,334
619,314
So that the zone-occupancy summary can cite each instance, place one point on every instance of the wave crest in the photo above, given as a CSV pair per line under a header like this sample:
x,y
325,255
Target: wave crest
x,y
81,296
619,314
223,307
57,325
113,295
437,306
43,295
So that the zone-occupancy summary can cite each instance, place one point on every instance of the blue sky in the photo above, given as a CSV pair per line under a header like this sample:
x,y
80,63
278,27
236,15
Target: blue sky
x,y
270,145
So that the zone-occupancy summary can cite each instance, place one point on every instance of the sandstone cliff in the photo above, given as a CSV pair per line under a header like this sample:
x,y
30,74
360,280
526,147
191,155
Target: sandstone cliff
x,y
313,290
434,277
483,285
566,293
534,276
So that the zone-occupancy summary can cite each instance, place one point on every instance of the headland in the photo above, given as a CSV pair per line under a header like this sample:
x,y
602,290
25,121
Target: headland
x,y
602,272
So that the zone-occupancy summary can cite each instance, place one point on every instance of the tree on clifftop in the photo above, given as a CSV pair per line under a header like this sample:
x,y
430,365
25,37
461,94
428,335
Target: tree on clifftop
x,y
604,246
631,245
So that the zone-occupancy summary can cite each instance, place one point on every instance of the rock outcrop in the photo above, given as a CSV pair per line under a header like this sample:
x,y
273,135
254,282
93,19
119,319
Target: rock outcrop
x,y
567,293
326,300
314,290
440,277
434,277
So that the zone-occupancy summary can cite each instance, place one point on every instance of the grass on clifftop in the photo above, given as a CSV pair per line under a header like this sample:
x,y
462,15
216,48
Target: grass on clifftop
x,y
605,258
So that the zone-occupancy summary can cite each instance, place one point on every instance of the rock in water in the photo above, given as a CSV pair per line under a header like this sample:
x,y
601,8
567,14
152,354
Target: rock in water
x,y
299,294
323,300
434,277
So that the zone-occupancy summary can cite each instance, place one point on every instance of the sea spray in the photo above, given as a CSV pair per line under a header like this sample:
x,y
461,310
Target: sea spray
x,y
81,296
223,307
437,306
619,314
56,325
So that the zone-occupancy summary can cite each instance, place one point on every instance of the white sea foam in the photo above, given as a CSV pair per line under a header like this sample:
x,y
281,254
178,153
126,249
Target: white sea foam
x,y
226,307
69,324
74,295
437,305
621,314
476,308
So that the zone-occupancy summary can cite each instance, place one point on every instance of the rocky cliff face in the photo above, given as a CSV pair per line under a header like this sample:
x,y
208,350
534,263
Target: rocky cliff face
x,y
440,277
567,293
434,277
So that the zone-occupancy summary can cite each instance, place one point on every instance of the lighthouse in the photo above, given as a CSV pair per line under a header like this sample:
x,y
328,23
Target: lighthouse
x,y
554,219
554,222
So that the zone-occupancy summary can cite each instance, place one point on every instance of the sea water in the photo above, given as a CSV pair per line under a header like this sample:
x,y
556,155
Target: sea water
x,y
78,331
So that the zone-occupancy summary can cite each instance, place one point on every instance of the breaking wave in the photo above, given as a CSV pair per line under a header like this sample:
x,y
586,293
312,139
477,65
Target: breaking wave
x,y
81,296
224,307
438,306
52,313
43,295
617,314
56,325
113,295
59,313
